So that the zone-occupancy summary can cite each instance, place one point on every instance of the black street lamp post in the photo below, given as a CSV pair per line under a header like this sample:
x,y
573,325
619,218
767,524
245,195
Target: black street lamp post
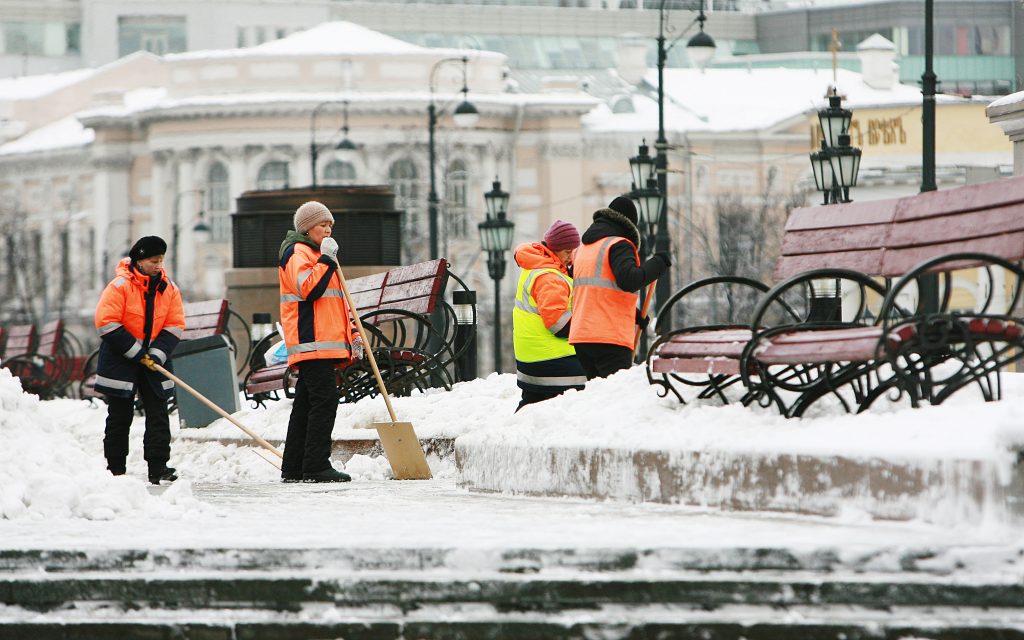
x,y
199,227
465,116
700,48
837,164
496,239
650,208
835,169
928,284
314,149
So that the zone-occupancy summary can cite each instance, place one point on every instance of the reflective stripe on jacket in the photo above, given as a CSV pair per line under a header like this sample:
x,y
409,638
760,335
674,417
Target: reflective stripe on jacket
x,y
532,339
602,313
136,316
314,315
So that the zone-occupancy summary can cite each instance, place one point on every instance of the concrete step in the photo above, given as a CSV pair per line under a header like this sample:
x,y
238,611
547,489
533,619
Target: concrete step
x,y
639,623
286,592
902,561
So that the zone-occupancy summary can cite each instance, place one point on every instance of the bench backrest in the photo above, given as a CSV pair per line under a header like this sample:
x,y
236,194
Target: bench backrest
x,y
889,237
21,341
205,318
413,288
49,338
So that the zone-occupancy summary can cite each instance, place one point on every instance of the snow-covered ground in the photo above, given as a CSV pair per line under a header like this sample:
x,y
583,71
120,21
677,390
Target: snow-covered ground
x,y
54,489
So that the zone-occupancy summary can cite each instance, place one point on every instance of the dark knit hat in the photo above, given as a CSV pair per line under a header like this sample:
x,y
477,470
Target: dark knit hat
x,y
147,247
625,206
561,235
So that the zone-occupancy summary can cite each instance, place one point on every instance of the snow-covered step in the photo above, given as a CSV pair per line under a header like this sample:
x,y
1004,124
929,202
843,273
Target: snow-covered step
x,y
878,560
285,591
614,622
943,490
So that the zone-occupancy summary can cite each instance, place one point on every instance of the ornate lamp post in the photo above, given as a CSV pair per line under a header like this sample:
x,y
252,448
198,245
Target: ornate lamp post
x,y
650,208
700,48
199,227
647,197
837,164
496,239
465,116
343,145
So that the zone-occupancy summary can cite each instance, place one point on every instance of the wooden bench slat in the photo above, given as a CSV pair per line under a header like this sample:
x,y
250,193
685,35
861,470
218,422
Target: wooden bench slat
x,y
811,347
831,240
866,261
710,366
843,215
896,262
961,226
985,195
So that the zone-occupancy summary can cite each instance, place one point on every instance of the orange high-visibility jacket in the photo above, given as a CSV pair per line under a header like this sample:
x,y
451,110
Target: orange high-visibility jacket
x,y
314,315
601,312
123,314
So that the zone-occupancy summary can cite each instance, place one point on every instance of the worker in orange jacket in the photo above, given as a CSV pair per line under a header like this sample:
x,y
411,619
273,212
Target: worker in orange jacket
x,y
606,278
318,338
140,320
546,364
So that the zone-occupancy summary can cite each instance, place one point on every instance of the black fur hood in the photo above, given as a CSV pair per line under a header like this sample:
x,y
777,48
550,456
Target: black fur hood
x,y
609,222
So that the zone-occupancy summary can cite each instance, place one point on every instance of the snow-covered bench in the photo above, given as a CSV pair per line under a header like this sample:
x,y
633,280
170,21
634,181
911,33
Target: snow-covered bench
x,y
834,322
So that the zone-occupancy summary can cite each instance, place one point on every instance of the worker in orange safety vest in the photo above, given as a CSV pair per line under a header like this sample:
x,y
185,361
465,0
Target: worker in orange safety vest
x,y
606,278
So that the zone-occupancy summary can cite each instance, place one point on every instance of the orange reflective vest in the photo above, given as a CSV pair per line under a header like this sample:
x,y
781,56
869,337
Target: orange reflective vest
x,y
601,312
314,315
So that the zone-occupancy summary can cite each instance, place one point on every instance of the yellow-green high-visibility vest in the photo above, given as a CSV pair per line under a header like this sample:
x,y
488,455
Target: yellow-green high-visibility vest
x,y
533,342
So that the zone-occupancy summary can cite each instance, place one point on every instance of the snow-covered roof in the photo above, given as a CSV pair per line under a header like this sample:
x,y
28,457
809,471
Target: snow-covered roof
x,y
61,134
330,39
28,87
723,100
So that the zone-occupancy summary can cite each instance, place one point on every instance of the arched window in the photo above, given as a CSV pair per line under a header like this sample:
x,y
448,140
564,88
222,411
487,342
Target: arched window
x,y
273,175
339,172
456,183
218,202
405,181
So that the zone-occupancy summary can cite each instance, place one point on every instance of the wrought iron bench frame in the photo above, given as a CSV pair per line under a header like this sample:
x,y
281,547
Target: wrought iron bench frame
x,y
900,351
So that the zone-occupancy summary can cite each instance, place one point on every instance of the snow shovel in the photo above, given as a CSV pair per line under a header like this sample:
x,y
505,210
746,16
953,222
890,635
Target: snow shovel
x,y
249,432
643,312
401,446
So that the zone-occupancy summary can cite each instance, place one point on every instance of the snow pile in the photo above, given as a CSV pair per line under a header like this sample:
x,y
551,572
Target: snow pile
x,y
50,468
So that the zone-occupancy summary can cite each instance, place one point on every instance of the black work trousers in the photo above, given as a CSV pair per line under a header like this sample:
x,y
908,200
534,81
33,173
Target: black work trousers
x,y
602,360
156,441
307,447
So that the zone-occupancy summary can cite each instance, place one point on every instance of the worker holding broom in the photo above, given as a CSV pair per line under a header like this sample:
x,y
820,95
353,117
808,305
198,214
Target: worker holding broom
x,y
318,337
607,274
140,319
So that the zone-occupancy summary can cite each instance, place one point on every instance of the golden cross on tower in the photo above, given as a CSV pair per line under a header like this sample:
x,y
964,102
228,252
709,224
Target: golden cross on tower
x,y
836,46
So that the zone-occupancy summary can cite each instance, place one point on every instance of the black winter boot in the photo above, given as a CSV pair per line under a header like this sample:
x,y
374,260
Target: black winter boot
x,y
327,475
291,477
165,474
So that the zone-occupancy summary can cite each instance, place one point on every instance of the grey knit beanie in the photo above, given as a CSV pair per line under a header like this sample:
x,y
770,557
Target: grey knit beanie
x,y
311,214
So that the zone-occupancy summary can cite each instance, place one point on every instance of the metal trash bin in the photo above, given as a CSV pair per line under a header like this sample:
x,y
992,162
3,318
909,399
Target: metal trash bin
x,y
207,365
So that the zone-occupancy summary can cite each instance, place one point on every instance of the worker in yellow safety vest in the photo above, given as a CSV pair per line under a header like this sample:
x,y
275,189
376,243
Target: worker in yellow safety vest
x,y
546,364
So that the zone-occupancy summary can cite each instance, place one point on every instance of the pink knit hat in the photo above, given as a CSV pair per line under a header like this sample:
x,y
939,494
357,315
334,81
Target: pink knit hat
x,y
561,235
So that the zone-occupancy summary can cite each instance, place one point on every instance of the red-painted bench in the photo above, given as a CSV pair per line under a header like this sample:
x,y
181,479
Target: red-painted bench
x,y
43,359
412,331
877,335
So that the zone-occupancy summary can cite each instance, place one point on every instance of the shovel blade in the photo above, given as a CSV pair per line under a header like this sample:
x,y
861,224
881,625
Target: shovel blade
x,y
403,450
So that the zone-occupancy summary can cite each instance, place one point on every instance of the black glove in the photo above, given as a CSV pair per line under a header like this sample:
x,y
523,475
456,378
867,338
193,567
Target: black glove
x,y
642,321
663,255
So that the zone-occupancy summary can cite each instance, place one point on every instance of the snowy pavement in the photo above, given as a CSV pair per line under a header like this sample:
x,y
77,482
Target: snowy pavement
x,y
55,492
